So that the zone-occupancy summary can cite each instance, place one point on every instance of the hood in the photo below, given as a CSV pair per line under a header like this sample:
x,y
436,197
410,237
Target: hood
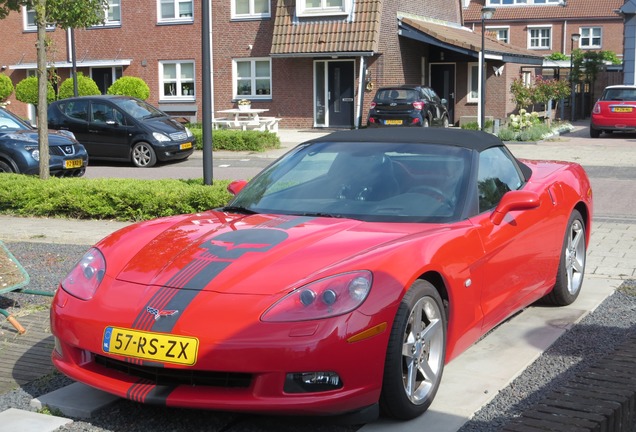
x,y
31,136
256,254
167,125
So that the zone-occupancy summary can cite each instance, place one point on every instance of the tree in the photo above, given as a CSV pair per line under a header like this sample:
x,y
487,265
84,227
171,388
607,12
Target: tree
x,y
27,91
67,15
6,87
130,86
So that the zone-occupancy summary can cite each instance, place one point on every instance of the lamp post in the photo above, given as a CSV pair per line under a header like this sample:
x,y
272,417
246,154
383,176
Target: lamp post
x,y
486,14
574,38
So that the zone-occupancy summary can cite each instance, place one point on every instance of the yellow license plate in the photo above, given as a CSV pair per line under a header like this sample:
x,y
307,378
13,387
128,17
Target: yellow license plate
x,y
392,122
622,109
73,163
159,347
185,146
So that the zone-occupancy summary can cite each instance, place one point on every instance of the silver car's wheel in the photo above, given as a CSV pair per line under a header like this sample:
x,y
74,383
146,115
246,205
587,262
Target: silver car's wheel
x,y
415,354
445,122
571,263
143,155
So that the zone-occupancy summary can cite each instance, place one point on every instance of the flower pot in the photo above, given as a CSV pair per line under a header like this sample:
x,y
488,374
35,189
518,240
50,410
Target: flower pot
x,y
244,107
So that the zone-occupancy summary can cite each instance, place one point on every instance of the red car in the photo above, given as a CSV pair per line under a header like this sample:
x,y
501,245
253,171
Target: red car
x,y
339,280
614,111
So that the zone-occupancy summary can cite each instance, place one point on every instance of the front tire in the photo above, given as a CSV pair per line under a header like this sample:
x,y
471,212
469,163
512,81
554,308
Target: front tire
x,y
415,353
425,122
571,264
143,155
445,122
5,168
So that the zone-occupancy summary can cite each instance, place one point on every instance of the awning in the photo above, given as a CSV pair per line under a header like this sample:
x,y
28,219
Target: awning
x,y
463,40
79,64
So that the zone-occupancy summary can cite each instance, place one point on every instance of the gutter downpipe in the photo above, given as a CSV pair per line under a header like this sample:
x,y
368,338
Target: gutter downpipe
x,y
360,93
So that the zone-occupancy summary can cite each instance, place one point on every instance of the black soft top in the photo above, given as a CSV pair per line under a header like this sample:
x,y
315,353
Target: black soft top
x,y
470,139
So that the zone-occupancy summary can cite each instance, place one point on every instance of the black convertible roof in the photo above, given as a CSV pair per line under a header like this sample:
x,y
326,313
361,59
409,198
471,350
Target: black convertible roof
x,y
470,139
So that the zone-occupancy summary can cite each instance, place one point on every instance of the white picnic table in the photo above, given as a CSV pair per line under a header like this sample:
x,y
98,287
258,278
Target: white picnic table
x,y
246,118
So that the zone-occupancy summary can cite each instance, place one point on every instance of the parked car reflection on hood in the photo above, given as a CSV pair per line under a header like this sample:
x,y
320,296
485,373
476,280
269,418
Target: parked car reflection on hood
x,y
122,128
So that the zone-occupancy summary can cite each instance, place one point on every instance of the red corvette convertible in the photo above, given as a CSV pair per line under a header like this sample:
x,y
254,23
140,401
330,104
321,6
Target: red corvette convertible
x,y
339,280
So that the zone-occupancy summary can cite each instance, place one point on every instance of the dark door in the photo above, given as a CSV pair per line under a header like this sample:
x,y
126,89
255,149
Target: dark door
x,y
443,82
341,95
103,77
108,133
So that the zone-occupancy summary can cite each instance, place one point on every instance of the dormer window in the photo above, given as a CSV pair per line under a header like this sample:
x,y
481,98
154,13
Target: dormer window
x,y
306,8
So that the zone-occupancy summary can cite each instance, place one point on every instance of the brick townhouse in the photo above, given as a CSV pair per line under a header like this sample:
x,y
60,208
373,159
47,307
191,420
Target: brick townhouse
x,y
548,26
312,63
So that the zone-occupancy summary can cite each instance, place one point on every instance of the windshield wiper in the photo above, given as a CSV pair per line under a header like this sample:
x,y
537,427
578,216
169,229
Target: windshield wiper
x,y
238,209
319,214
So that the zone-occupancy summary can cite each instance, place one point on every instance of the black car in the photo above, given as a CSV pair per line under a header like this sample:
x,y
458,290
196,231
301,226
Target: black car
x,y
122,128
407,105
20,151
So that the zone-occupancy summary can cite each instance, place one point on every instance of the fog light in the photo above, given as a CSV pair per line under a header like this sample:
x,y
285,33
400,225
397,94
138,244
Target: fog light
x,y
310,382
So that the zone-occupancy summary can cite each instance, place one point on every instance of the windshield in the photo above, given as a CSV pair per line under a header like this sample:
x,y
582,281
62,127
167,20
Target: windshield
x,y
9,122
386,182
138,108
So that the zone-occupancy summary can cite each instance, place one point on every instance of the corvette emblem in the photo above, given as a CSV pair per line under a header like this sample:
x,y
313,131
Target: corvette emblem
x,y
160,313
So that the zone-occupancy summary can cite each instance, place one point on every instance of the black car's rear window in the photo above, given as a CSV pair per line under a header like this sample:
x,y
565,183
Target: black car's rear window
x,y
398,95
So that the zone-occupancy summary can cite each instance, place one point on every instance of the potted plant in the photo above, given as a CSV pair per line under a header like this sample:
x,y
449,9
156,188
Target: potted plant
x,y
244,104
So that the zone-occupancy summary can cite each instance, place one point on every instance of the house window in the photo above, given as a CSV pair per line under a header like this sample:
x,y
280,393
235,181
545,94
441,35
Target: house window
x,y
251,9
177,80
29,20
539,38
473,82
501,33
590,37
175,11
113,13
252,78
523,2
323,7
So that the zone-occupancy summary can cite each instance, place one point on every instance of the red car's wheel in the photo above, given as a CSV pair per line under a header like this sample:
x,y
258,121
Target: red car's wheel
x,y
415,354
571,265
594,133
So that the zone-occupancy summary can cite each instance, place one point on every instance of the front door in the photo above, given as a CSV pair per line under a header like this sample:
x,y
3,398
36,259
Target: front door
x,y
443,82
334,101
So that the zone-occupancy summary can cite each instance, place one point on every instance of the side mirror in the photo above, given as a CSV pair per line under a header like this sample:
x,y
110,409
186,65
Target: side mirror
x,y
514,201
236,186
444,101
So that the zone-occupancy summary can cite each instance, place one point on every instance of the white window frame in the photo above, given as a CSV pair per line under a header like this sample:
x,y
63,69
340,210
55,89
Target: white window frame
x,y
500,3
30,26
590,37
498,30
177,19
473,74
178,81
541,38
251,14
253,78
112,4
302,10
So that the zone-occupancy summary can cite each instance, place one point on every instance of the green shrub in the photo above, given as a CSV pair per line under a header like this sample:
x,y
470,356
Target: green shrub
x,y
130,86
120,199
488,125
236,140
27,91
507,134
85,87
6,87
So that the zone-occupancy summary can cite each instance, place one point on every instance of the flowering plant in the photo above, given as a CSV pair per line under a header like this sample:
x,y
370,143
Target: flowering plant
x,y
523,120
244,102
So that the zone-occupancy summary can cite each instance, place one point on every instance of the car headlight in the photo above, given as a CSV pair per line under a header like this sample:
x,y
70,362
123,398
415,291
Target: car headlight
x,y
188,132
34,151
328,297
21,137
85,277
161,137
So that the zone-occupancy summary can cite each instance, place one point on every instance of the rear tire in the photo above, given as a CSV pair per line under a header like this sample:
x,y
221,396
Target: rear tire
x,y
143,155
415,353
571,264
445,122
594,133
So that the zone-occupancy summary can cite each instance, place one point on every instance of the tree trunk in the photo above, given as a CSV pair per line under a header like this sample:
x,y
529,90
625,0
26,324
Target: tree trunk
x,y
42,120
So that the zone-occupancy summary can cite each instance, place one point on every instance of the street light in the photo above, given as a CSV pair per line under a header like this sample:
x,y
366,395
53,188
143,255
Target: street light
x,y
486,14
574,38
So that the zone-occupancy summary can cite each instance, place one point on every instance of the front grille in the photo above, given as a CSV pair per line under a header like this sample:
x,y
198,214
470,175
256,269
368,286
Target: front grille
x,y
171,377
65,150
179,136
